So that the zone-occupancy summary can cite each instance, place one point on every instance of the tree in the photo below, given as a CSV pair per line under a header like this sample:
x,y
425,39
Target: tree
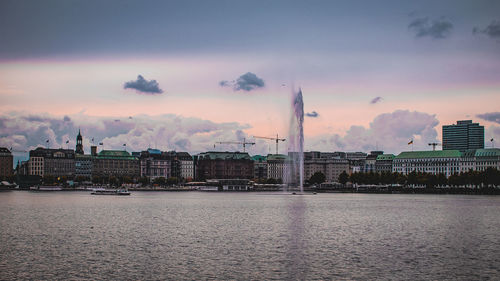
x,y
172,180
317,178
343,177
144,181
160,181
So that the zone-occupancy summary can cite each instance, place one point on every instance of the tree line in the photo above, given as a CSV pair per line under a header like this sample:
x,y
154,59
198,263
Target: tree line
x,y
488,178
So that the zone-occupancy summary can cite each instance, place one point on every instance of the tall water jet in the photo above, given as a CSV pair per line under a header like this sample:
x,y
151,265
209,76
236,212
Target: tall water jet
x,y
296,142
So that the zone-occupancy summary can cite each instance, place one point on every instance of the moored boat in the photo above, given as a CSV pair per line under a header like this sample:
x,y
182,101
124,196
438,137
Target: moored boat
x,y
110,192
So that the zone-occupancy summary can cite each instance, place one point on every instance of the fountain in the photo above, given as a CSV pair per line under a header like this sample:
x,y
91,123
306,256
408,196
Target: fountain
x,y
295,176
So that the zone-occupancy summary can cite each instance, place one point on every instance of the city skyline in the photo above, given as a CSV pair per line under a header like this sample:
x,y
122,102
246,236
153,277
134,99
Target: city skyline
x,y
184,75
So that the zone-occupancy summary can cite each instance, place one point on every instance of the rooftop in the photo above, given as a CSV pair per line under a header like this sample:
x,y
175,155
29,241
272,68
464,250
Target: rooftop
x,y
212,155
429,154
487,152
385,157
259,158
115,154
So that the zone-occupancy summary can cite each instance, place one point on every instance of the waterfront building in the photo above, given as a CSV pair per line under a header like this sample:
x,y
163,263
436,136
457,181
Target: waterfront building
x,y
260,166
52,162
371,160
277,166
326,163
383,163
356,161
155,164
445,162
117,163
6,162
463,136
224,165
83,166
186,165
487,158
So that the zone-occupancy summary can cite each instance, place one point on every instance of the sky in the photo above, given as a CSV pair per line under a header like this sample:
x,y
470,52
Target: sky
x,y
183,75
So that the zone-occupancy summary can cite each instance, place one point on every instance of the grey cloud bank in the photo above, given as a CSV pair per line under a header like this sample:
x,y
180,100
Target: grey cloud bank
x,y
246,82
32,29
436,29
492,30
144,86
490,116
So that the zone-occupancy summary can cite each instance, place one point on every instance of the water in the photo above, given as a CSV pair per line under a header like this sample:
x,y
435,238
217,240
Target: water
x,y
242,236
296,142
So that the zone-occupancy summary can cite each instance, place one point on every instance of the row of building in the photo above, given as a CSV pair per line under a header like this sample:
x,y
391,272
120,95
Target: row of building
x,y
463,150
153,163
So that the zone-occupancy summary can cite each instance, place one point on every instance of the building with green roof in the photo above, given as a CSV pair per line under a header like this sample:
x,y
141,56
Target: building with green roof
x,y
487,158
260,166
383,163
118,163
445,162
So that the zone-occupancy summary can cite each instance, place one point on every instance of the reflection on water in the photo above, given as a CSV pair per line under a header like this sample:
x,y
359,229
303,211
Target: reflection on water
x,y
242,236
296,267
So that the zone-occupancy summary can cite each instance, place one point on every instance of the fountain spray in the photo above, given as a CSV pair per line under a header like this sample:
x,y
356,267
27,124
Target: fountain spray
x,y
296,142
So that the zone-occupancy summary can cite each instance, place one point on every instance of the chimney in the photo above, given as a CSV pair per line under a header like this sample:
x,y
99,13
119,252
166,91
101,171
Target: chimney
x,y
93,150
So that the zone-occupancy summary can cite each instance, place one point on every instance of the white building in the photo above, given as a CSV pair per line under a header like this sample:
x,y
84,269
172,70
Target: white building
x,y
186,165
277,166
445,162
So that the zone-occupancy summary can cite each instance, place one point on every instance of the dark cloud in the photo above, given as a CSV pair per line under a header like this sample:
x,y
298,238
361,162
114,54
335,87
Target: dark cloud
x,y
66,118
313,114
492,30
376,100
436,29
144,86
246,82
491,116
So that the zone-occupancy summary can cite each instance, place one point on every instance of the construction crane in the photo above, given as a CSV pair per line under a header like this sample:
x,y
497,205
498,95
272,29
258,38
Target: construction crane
x,y
244,143
277,139
434,144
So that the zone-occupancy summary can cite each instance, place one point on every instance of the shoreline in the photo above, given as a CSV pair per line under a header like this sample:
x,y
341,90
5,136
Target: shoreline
x,y
437,191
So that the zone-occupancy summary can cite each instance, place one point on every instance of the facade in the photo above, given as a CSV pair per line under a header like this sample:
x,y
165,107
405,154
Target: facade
x,y
356,161
327,164
117,163
224,165
83,166
371,160
383,163
487,158
463,136
155,164
186,165
277,166
52,162
260,166
445,162
6,162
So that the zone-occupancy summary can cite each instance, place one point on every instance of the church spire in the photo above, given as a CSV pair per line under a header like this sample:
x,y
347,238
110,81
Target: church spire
x,y
79,144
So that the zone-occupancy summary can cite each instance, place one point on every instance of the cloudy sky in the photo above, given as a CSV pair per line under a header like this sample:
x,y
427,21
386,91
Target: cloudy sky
x,y
182,75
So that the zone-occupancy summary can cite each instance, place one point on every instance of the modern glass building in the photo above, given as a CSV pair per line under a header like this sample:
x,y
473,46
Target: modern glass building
x,y
463,136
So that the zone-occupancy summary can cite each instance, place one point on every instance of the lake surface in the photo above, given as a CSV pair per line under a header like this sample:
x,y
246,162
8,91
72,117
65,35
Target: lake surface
x,y
198,236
